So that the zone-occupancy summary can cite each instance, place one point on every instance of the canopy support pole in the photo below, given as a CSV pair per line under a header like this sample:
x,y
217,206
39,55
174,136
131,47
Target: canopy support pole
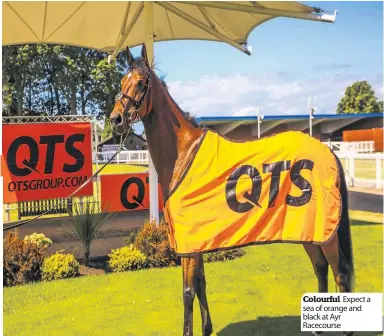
x,y
153,178
127,30
202,26
324,17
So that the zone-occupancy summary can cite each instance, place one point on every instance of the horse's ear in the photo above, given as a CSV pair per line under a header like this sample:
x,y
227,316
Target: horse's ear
x,y
129,56
144,56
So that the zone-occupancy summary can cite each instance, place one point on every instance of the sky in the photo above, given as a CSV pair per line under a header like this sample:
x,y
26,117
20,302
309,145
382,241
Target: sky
x,y
291,60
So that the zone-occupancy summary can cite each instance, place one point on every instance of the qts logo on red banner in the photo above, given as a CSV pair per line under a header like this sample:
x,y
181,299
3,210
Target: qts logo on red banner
x,y
126,192
42,161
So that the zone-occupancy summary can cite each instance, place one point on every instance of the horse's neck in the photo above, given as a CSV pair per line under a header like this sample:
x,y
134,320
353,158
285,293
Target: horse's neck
x,y
171,138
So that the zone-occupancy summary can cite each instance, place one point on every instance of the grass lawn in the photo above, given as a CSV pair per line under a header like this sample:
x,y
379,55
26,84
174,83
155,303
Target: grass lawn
x,y
258,294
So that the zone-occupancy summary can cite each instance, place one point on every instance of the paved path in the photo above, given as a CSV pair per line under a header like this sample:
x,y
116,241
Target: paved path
x,y
112,235
365,202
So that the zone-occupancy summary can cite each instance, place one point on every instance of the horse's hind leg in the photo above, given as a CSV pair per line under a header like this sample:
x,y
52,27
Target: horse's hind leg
x,y
320,267
202,296
339,266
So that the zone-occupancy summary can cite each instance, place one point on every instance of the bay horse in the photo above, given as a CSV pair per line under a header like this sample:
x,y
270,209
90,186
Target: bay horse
x,y
172,141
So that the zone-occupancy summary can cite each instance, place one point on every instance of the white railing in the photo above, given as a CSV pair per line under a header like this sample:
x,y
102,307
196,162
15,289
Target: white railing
x,y
136,156
363,169
352,147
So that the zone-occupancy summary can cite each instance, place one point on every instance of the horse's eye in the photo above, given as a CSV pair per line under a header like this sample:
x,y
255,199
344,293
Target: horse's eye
x,y
140,83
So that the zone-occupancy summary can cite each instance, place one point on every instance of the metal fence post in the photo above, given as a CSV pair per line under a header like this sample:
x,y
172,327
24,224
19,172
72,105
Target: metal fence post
x,y
7,213
378,173
352,171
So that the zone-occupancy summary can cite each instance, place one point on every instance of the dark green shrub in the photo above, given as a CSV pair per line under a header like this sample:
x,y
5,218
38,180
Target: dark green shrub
x,y
126,258
86,220
22,260
60,266
153,241
223,255
130,239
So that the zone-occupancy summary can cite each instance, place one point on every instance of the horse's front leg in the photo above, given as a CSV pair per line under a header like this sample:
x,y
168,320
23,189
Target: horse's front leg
x,y
202,296
189,266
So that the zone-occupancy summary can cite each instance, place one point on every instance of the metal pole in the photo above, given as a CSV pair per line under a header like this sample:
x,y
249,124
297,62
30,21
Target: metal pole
x,y
153,179
310,115
258,121
96,143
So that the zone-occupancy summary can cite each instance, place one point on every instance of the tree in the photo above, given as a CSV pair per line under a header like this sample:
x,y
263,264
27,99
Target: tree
x,y
359,98
58,80
17,66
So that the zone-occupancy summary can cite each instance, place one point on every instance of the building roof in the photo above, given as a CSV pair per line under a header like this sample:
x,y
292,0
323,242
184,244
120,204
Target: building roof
x,y
105,141
253,119
321,123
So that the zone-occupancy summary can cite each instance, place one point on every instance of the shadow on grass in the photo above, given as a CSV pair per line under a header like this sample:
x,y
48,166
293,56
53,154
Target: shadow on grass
x,y
355,222
283,325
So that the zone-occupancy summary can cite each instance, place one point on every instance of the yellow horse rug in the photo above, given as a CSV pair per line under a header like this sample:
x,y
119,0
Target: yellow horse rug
x,y
279,189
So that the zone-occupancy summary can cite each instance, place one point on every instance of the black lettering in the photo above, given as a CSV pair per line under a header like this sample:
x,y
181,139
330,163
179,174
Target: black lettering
x,y
137,200
54,183
66,182
11,186
50,141
29,165
75,153
47,184
253,197
18,185
275,168
59,182
82,179
301,183
74,181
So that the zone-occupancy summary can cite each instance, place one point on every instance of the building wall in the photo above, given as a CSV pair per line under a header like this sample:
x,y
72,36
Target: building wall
x,y
133,141
130,143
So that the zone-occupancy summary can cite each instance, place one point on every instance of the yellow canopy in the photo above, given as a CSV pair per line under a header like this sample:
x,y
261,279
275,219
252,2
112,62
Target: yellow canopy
x,y
107,24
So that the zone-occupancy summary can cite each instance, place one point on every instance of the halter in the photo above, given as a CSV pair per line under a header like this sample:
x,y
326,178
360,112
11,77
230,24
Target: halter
x,y
136,103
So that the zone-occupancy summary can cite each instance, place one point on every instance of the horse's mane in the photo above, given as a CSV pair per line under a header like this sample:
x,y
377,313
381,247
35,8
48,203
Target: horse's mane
x,y
138,63
186,115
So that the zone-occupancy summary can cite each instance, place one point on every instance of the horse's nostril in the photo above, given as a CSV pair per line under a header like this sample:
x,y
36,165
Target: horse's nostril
x,y
118,119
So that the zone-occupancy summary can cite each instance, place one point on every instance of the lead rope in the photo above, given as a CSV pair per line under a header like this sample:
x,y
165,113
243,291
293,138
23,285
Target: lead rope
x,y
77,190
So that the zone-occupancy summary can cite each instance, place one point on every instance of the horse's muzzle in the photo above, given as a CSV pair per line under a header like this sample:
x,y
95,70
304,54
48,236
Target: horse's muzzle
x,y
117,120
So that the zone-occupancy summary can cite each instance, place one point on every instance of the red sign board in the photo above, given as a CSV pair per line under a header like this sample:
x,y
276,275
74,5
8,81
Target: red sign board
x,y
126,192
42,161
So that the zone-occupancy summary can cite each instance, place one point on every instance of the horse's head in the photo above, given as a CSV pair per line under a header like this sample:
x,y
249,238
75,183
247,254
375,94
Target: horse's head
x,y
133,102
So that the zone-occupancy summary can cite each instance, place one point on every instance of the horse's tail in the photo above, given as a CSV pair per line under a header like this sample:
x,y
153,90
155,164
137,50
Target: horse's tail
x,y
344,231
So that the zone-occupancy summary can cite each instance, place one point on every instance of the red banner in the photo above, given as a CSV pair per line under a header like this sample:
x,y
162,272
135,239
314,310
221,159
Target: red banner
x,y
126,192
42,161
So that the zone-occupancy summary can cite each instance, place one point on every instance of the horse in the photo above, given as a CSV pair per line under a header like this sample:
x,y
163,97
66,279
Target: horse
x,y
172,141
